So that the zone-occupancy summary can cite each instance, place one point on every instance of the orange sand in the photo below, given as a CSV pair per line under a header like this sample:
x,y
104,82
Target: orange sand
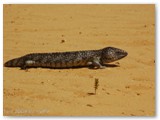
x,y
128,90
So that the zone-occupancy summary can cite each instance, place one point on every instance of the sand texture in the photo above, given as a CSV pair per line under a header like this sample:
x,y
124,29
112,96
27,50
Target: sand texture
x,y
127,90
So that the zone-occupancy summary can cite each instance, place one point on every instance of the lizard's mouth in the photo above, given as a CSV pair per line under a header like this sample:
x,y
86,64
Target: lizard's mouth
x,y
121,54
124,54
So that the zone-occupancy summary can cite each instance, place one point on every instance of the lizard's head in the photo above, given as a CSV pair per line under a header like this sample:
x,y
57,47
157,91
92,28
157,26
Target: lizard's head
x,y
110,54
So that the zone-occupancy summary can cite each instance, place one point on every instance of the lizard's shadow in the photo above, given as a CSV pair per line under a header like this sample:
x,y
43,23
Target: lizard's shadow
x,y
106,65
90,67
111,65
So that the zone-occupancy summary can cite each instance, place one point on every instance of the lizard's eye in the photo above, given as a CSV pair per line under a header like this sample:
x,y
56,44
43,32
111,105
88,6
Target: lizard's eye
x,y
118,52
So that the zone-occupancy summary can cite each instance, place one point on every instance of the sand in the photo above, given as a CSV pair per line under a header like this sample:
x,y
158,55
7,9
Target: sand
x,y
127,90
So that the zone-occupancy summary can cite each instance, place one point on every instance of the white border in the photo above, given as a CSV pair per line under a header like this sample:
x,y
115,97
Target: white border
x,y
1,60
79,1
157,2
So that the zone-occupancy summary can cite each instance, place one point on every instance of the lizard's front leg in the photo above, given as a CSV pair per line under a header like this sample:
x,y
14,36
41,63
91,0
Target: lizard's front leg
x,y
95,61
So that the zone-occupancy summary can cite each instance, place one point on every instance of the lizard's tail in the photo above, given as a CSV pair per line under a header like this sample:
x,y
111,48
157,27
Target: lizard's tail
x,y
17,62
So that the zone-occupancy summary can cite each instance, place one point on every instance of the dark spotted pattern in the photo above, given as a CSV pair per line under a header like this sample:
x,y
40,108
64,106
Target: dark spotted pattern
x,y
68,59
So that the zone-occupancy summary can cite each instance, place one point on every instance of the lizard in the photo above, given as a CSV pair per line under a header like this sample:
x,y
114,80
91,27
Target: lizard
x,y
93,58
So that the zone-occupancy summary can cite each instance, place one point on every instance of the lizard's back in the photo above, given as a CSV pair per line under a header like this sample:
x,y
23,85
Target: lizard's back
x,y
54,60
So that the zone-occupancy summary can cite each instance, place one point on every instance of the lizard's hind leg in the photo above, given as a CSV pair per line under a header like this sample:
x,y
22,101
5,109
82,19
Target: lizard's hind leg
x,y
28,63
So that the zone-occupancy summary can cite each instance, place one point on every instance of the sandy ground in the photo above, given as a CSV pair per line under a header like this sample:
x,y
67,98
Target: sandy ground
x,y
128,90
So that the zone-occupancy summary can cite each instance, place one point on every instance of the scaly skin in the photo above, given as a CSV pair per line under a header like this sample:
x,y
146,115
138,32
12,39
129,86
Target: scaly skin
x,y
94,58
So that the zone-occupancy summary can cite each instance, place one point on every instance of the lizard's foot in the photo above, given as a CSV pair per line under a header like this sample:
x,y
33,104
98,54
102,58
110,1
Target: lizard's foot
x,y
102,67
24,67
